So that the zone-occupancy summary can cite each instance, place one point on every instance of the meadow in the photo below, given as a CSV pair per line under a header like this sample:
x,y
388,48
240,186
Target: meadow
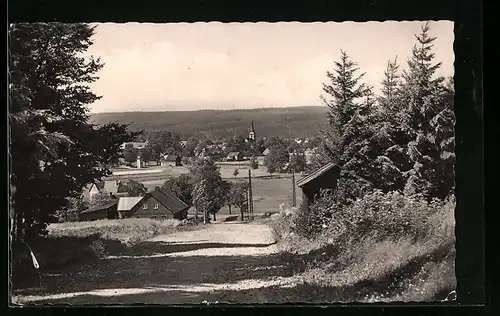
x,y
268,193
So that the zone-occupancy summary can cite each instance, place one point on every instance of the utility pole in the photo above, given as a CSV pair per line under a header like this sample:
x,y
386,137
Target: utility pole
x,y
294,194
250,197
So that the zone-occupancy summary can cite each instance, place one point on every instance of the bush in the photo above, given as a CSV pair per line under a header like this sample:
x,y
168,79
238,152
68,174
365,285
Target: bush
x,y
310,222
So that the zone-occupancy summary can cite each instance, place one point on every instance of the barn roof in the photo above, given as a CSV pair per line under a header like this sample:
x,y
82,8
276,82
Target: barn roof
x,y
99,207
234,153
126,203
314,175
169,200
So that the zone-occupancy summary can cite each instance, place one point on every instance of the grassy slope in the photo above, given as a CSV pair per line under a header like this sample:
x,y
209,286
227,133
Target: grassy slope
x,y
374,269
292,121
75,243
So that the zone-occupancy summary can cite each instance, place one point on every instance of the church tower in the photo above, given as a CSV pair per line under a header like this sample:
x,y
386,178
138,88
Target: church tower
x,y
251,135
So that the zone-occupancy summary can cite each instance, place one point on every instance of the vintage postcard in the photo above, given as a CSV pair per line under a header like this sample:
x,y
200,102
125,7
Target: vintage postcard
x,y
229,163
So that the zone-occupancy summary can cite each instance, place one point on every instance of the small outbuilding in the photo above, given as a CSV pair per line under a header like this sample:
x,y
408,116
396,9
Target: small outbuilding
x,y
106,211
323,178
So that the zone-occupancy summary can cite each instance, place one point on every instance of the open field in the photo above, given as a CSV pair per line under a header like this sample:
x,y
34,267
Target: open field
x,y
137,171
165,173
268,194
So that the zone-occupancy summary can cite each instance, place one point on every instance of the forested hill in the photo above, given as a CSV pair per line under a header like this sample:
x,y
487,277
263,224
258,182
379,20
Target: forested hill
x,y
292,121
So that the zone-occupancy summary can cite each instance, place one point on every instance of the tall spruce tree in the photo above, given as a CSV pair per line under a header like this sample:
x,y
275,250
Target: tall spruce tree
x,y
428,122
342,95
54,151
392,162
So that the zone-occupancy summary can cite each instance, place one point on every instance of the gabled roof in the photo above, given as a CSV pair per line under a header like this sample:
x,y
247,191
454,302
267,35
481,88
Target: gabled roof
x,y
234,153
168,200
108,186
171,157
126,203
315,174
100,207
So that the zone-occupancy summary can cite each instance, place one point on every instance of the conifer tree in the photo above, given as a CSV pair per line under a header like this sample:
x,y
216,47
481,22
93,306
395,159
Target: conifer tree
x,y
428,122
54,149
343,93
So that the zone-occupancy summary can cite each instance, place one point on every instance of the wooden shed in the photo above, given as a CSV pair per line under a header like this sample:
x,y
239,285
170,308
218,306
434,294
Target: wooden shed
x,y
323,178
106,211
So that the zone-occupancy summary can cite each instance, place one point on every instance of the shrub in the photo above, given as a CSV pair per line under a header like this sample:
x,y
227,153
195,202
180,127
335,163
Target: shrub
x,y
384,247
282,224
310,222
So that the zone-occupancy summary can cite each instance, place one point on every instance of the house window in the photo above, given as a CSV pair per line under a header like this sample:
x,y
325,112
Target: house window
x,y
145,206
154,217
156,206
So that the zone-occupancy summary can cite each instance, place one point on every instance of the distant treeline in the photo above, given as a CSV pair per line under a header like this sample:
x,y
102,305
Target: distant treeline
x,y
283,122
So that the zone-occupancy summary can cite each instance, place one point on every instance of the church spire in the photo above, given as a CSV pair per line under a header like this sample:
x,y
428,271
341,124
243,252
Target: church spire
x,y
251,135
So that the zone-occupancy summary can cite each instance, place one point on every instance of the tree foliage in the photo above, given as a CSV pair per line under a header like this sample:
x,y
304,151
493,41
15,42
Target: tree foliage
x,y
182,186
297,162
277,158
71,212
208,190
132,188
238,195
100,199
253,163
54,150
401,140
428,122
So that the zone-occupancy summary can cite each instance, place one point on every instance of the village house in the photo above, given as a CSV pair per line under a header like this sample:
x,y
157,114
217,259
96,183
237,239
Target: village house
x,y
322,178
112,188
171,160
266,151
106,211
125,205
137,145
159,204
235,156
100,187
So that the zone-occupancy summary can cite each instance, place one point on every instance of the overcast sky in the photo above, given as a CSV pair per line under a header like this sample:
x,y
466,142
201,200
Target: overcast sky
x,y
190,66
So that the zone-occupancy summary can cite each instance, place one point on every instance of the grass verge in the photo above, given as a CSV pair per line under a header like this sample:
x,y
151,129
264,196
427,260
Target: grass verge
x,y
76,243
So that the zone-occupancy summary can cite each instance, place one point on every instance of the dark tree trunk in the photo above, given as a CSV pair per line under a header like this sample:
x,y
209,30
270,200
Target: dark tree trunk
x,y
229,206
214,217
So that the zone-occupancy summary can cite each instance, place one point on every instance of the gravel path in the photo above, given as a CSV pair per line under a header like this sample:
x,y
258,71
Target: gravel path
x,y
219,262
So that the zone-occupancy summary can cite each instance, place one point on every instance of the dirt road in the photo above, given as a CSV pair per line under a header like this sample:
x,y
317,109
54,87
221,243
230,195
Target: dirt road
x,y
224,262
